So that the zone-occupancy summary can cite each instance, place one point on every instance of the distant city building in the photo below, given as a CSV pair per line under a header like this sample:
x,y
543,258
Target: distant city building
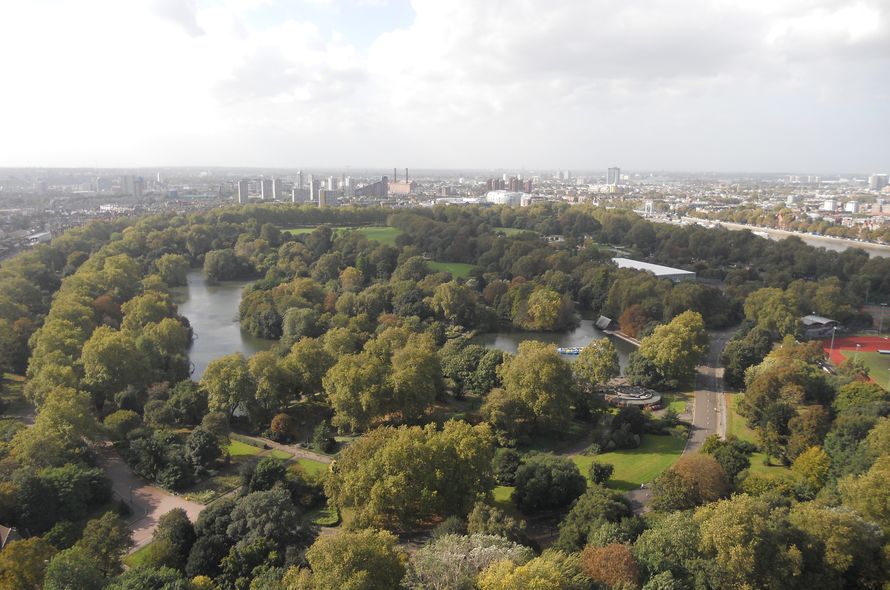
x,y
662,272
500,197
299,195
851,206
131,185
266,189
829,205
613,176
376,190
243,190
300,179
313,189
397,187
278,190
327,198
877,181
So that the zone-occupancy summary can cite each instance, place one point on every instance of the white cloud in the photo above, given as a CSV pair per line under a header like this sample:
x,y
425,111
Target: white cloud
x,y
721,84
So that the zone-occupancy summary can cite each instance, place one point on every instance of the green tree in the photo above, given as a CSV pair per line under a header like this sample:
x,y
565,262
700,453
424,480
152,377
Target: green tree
x,y
358,560
416,377
397,478
597,363
813,467
545,481
269,515
176,530
358,390
598,505
676,348
601,472
455,303
541,381
111,362
173,269
148,308
749,544
105,540
229,384
867,493
73,568
202,448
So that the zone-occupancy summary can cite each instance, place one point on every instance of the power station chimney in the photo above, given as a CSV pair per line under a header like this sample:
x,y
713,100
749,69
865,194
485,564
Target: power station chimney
x,y
406,175
395,175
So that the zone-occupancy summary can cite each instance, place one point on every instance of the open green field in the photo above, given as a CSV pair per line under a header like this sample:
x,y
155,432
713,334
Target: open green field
x,y
878,365
384,235
136,558
325,516
677,401
312,467
512,231
502,500
634,467
458,270
236,448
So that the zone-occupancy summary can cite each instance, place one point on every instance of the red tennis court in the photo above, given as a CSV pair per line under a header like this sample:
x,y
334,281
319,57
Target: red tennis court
x,y
867,344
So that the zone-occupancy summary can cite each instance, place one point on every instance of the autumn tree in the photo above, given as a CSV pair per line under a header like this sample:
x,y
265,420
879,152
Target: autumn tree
x,y
676,348
613,565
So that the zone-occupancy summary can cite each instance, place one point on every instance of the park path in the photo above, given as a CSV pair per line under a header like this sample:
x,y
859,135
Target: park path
x,y
709,406
708,409
148,502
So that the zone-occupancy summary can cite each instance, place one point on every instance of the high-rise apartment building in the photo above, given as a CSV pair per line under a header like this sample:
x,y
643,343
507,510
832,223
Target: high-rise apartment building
x,y
243,190
266,189
613,176
278,190
877,181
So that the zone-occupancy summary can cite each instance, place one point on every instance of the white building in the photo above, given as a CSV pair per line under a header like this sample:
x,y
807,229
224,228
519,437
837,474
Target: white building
x,y
662,272
504,198
829,205
851,206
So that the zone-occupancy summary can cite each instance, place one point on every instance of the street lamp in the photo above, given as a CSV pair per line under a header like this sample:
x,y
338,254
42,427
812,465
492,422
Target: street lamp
x,y
858,346
831,348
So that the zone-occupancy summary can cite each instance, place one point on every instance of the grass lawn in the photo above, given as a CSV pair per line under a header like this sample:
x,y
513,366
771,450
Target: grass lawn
x,y
11,393
210,489
502,500
735,424
458,270
677,401
878,365
325,516
136,558
276,454
549,443
384,235
634,467
311,466
512,231
236,448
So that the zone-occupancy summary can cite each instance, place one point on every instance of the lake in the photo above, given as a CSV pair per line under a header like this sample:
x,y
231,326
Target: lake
x,y
579,336
212,310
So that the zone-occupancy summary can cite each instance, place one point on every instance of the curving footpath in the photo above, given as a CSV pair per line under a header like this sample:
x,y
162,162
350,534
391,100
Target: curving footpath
x,y
148,502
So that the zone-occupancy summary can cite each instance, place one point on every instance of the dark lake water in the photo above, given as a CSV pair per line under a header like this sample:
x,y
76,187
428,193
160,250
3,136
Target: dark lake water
x,y
580,336
212,310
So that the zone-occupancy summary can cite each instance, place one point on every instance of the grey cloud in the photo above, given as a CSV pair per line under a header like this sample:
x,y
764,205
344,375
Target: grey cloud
x,y
179,12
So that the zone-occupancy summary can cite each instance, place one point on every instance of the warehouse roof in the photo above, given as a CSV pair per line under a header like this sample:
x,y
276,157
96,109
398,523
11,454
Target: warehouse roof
x,y
656,269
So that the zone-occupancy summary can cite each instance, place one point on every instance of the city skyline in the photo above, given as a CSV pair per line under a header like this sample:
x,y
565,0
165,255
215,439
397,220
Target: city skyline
x,y
731,88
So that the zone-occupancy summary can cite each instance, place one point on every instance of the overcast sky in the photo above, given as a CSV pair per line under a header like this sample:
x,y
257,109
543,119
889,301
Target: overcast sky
x,y
695,85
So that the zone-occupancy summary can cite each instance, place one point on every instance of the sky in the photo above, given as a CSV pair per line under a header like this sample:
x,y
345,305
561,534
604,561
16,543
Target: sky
x,y
685,85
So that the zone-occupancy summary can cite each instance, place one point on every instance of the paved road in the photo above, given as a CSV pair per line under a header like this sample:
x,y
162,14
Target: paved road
x,y
149,502
709,410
